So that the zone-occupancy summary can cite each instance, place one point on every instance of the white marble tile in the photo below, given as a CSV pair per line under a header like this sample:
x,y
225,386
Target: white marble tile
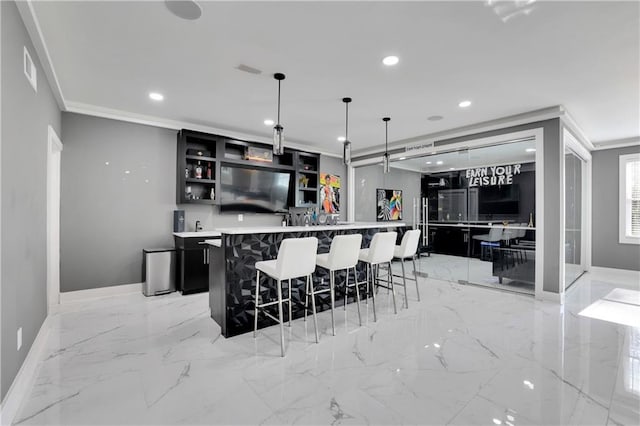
x,y
463,355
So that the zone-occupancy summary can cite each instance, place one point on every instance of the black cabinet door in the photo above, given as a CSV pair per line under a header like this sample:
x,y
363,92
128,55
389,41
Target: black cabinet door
x,y
195,274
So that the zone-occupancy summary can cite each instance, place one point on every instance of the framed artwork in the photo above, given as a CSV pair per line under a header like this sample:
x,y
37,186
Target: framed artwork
x,y
388,204
329,193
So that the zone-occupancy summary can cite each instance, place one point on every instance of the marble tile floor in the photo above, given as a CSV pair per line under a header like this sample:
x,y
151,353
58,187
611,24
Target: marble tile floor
x,y
464,355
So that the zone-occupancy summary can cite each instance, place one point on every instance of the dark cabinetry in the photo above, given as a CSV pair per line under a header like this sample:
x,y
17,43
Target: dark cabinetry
x,y
200,157
193,264
450,240
307,180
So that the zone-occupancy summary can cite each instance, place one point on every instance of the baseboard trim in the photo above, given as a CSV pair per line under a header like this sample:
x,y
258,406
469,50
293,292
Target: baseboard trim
x,y
614,273
23,381
98,293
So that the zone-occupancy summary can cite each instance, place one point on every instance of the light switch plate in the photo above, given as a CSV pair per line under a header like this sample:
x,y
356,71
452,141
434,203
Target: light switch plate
x,y
240,217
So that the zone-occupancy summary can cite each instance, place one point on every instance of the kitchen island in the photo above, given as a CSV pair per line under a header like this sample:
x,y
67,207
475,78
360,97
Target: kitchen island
x,y
232,272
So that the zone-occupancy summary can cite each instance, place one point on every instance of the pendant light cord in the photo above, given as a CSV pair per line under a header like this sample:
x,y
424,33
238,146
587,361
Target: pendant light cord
x,y
278,123
346,131
386,137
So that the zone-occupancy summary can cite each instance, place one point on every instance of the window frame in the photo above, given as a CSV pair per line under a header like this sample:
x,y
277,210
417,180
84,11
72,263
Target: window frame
x,y
624,221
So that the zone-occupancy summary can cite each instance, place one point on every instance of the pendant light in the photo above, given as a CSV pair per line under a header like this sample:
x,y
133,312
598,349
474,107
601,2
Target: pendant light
x,y
386,166
278,130
346,151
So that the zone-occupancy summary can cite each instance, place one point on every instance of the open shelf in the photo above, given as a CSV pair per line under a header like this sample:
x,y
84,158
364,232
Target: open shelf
x,y
200,158
196,180
265,165
307,189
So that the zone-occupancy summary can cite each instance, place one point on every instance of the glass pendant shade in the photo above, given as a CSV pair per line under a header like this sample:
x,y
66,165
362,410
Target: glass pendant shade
x,y
386,160
278,130
278,140
346,153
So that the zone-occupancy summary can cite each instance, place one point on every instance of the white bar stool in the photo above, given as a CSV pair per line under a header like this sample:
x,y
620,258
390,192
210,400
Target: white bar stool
x,y
343,255
380,251
296,259
407,250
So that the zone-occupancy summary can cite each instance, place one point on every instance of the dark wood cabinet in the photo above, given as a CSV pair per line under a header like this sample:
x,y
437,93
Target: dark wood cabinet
x,y
307,179
193,264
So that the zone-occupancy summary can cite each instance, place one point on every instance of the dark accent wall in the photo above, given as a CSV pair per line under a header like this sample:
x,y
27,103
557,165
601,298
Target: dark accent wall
x,y
606,249
108,215
26,116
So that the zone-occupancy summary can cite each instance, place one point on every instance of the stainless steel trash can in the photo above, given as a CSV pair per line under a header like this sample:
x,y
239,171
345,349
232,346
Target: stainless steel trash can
x,y
158,271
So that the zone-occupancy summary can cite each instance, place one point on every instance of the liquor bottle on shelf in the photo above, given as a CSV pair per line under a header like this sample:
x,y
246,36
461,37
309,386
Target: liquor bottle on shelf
x,y
209,172
198,171
213,194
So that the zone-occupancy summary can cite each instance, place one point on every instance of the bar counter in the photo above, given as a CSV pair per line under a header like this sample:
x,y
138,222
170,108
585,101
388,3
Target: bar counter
x,y
232,272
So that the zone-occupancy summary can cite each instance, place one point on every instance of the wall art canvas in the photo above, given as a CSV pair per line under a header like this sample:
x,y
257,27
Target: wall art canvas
x,y
330,193
389,204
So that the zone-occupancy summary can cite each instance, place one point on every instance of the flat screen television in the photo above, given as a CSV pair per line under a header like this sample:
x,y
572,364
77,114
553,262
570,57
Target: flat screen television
x,y
253,190
497,200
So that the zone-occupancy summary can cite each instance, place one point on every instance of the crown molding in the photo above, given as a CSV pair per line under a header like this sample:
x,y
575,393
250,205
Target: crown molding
x,y
149,120
617,143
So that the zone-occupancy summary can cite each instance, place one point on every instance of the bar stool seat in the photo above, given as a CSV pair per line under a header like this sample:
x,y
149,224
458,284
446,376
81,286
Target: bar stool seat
x,y
407,250
296,259
380,252
343,255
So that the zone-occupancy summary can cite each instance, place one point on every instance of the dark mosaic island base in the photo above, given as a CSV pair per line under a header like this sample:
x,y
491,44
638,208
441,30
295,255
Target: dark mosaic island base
x,y
232,277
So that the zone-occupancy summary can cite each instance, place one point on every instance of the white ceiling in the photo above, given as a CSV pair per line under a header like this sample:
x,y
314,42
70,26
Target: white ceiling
x,y
583,55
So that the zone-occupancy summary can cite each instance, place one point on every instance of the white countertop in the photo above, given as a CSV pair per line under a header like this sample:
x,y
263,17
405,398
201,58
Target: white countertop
x,y
202,234
275,229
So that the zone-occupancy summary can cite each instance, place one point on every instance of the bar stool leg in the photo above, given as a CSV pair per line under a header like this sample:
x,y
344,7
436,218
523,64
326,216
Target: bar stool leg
x,y
306,299
404,284
289,302
333,296
355,279
346,289
313,303
255,309
393,290
415,275
373,292
280,317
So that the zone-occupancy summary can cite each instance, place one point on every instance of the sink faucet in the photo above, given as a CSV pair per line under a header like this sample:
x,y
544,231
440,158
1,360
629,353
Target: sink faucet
x,y
198,226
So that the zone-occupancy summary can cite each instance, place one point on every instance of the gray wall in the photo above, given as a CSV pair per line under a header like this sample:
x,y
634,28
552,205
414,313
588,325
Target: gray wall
x,y
370,178
109,216
26,116
606,250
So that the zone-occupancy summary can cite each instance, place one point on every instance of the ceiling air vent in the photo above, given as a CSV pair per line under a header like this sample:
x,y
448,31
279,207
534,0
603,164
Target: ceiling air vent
x,y
247,68
30,70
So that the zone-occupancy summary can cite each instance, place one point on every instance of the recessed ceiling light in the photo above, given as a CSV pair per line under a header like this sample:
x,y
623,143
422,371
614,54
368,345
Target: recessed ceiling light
x,y
464,104
269,122
390,60
439,163
156,96
341,139
127,172
435,118
428,162
452,168
106,163
402,158
530,150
